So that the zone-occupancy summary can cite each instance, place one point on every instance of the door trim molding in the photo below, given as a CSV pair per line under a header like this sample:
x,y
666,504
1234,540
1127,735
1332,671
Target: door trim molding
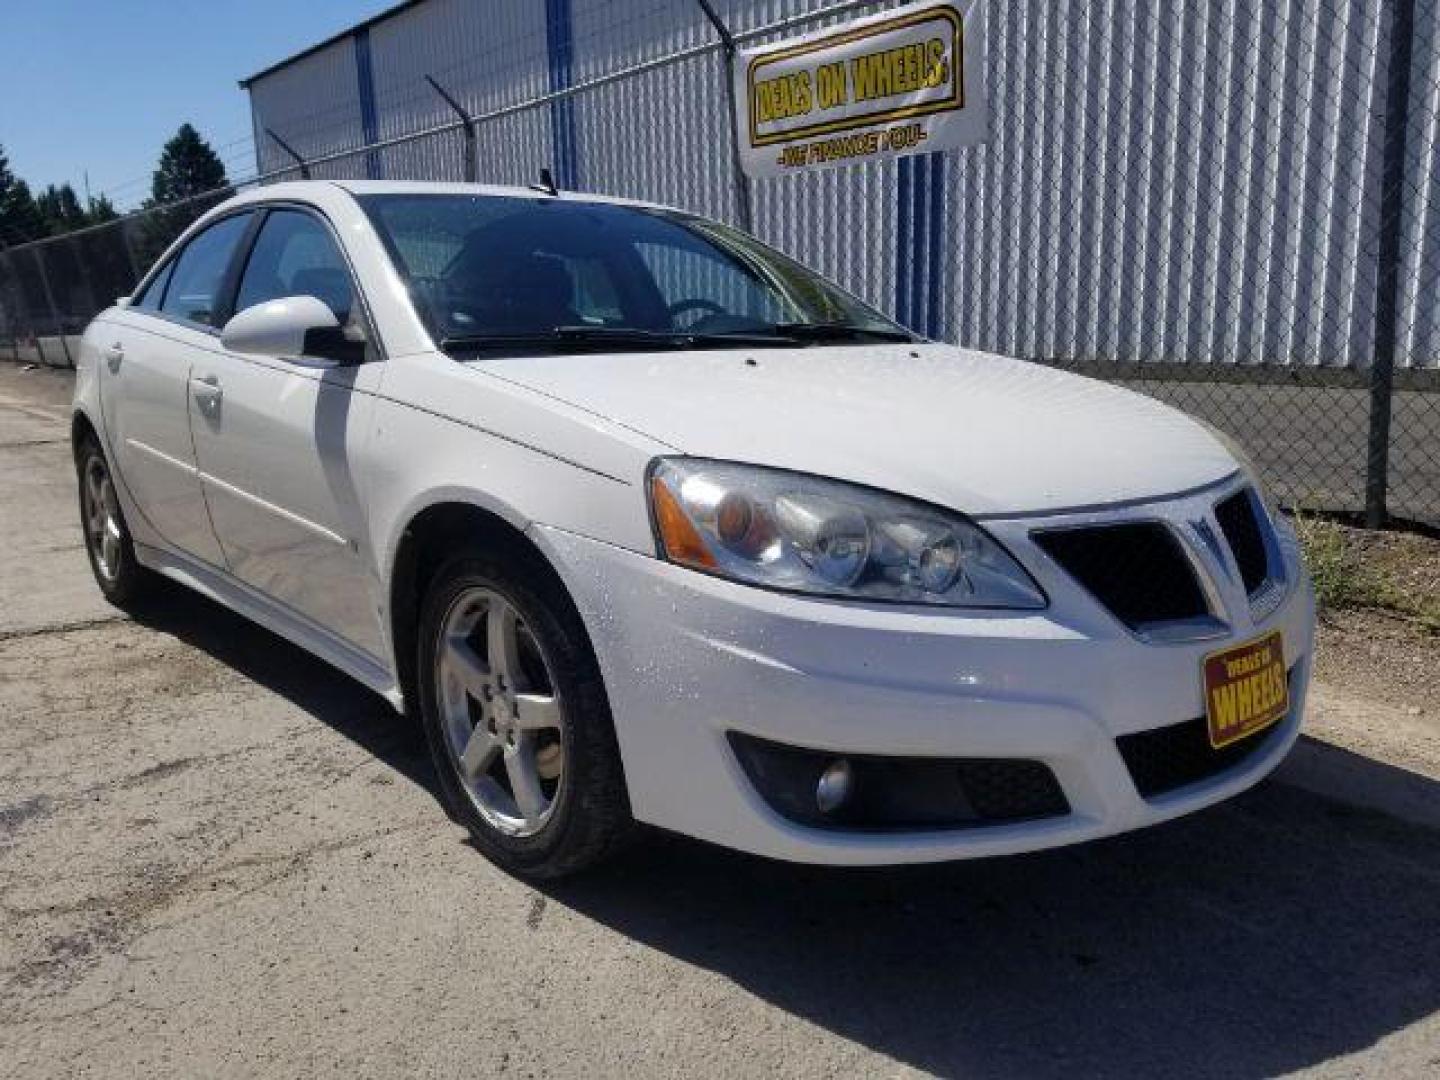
x,y
278,511
160,455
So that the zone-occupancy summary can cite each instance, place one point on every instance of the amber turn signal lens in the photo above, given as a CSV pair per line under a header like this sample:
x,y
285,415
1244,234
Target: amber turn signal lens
x,y
681,542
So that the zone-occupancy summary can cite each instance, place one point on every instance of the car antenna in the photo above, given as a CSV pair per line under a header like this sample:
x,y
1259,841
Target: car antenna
x,y
546,184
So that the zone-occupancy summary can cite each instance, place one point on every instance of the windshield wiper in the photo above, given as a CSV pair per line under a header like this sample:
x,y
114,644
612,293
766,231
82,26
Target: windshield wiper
x,y
601,338
568,337
839,331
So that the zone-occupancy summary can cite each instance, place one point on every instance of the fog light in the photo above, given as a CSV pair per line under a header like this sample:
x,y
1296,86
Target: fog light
x,y
834,787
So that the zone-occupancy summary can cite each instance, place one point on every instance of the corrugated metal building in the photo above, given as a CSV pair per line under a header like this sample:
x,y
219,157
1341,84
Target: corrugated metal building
x,y
1196,182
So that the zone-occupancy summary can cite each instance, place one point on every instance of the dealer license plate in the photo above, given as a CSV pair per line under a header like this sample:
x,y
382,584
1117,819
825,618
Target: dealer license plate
x,y
1245,689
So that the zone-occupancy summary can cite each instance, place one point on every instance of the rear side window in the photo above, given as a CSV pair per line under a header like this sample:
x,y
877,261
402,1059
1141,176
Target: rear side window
x,y
199,274
295,255
149,300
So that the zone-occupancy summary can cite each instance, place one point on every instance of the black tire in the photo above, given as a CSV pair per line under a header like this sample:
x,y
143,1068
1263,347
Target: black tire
x,y
123,581
591,812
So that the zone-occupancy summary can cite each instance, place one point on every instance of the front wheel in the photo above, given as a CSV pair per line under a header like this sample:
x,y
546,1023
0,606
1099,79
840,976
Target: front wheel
x,y
107,538
517,720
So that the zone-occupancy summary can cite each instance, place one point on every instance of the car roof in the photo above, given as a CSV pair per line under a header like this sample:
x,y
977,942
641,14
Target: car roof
x,y
300,189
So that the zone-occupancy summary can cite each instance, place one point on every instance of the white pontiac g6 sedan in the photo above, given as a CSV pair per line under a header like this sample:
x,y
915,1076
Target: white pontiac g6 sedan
x,y
645,521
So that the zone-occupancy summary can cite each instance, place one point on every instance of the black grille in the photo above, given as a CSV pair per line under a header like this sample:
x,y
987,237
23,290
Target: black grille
x,y
1163,759
1136,569
1241,525
893,793
1011,790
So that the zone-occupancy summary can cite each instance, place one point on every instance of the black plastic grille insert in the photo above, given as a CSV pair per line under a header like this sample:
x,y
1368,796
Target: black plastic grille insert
x,y
1136,569
1240,523
1164,759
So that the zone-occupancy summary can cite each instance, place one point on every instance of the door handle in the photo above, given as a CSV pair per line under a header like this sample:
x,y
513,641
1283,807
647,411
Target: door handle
x,y
208,393
113,356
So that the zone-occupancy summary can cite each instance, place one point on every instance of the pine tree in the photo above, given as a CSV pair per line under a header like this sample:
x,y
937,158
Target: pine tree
x,y
101,210
60,209
20,221
188,167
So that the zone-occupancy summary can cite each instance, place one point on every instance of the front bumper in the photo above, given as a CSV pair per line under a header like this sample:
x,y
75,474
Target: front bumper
x,y
689,658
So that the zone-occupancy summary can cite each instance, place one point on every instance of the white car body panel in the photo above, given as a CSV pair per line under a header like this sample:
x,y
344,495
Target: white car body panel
x,y
149,425
958,428
312,477
277,456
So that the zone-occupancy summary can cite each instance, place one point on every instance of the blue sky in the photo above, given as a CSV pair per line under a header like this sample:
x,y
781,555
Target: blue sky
x,y
99,85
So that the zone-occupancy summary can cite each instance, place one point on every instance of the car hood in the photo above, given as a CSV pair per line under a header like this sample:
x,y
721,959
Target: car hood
x,y
975,432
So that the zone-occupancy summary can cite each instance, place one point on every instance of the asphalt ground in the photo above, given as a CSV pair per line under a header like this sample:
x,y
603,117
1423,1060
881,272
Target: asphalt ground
x,y
219,857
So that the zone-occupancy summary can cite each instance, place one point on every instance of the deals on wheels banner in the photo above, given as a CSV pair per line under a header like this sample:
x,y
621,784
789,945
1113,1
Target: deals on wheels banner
x,y
903,82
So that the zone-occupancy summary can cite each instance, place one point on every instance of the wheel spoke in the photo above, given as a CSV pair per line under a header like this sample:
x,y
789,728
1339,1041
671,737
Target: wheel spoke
x,y
536,712
525,779
479,752
110,550
502,639
461,661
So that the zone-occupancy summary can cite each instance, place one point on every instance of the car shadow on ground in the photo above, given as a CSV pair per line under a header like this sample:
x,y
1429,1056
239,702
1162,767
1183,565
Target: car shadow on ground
x,y
306,682
1278,931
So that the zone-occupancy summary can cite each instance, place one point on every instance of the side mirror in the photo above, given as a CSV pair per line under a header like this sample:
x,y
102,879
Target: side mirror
x,y
298,328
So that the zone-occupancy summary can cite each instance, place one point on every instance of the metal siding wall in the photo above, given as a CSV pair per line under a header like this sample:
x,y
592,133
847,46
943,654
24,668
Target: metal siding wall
x,y
1196,183
486,56
315,107
1419,312
657,136
1153,182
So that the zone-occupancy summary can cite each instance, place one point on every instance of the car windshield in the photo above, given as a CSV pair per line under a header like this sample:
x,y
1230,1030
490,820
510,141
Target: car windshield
x,y
509,272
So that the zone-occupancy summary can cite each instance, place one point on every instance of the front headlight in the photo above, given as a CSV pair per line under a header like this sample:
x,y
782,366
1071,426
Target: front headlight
x,y
805,534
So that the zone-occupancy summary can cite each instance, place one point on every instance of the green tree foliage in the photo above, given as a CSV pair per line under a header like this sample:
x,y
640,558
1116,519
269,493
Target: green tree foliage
x,y
61,210
188,167
190,173
20,220
101,210
25,217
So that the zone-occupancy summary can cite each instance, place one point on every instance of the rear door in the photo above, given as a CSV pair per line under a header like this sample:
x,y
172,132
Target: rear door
x,y
144,375
279,442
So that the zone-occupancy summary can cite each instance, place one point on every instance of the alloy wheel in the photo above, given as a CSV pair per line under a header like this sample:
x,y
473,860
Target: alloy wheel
x,y
501,712
102,519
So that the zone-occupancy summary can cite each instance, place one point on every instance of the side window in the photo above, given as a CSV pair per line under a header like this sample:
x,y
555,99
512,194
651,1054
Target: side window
x,y
199,274
295,255
149,300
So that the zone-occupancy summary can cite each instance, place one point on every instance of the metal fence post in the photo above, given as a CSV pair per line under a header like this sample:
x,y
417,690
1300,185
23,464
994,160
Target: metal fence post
x,y
54,312
1388,258
742,182
300,161
471,153
129,246
13,312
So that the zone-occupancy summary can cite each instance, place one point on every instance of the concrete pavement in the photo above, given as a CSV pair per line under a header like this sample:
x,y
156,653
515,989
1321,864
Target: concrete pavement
x,y
218,857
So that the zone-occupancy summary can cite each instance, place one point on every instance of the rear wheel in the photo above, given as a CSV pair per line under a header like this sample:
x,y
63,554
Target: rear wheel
x,y
107,538
517,721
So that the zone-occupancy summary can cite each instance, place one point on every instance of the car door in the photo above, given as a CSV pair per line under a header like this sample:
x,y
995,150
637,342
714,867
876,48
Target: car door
x,y
144,377
278,442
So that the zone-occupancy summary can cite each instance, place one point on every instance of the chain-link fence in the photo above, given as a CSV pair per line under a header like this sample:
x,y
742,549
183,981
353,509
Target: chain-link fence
x,y
1231,205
